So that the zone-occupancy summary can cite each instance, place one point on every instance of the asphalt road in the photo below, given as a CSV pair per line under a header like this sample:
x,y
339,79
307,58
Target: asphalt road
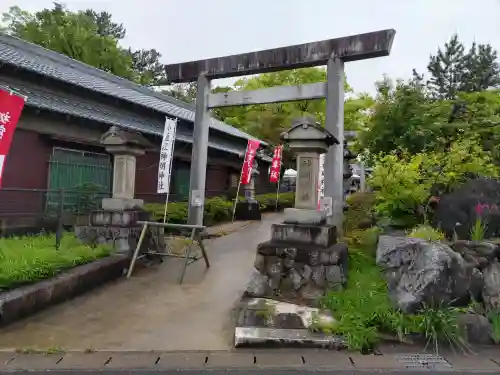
x,y
261,372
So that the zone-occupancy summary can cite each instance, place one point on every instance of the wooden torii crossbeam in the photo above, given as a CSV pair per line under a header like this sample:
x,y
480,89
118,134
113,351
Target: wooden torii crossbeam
x,y
349,48
332,53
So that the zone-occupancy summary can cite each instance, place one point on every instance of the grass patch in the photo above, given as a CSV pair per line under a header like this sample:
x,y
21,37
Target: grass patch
x,y
365,314
495,325
25,260
51,350
426,232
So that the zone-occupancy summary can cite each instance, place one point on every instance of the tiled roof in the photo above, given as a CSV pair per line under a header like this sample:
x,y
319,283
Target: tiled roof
x,y
37,59
81,107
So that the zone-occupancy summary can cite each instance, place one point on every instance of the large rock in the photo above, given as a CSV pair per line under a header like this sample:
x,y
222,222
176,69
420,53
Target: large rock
x,y
480,254
491,290
422,273
477,328
456,212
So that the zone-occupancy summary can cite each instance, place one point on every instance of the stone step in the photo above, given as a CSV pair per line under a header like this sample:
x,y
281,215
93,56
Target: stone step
x,y
264,321
306,253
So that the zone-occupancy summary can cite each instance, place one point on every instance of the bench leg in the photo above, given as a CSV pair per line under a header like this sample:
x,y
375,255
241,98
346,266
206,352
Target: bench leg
x,y
137,249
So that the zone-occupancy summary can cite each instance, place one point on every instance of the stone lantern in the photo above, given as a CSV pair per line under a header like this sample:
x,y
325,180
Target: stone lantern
x,y
116,222
125,146
303,259
308,140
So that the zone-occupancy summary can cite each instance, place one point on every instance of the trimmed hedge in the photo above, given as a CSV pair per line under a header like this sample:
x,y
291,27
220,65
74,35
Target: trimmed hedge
x,y
217,209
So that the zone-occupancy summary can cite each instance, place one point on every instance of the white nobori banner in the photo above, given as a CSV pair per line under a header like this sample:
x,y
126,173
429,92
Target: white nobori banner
x,y
321,179
166,156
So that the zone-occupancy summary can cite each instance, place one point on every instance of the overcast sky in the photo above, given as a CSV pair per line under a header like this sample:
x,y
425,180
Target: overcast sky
x,y
184,30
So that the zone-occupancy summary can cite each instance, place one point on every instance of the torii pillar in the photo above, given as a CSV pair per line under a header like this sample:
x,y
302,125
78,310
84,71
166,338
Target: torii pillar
x,y
333,53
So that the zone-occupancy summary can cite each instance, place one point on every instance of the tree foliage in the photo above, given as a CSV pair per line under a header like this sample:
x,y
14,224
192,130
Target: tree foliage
x,y
403,180
458,101
268,121
88,36
453,70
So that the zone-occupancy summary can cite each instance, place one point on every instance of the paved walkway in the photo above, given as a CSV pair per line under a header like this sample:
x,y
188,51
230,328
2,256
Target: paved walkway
x,y
151,311
244,361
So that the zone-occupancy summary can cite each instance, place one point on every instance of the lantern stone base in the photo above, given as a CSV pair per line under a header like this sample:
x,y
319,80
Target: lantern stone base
x,y
247,210
119,229
121,204
299,264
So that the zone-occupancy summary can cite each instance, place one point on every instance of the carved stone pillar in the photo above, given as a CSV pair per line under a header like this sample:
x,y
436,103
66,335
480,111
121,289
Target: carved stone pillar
x,y
125,147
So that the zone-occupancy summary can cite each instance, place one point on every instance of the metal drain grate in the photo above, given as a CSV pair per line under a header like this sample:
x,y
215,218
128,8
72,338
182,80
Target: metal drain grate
x,y
423,362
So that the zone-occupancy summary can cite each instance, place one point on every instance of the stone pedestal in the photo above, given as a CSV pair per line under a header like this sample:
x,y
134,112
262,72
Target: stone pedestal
x,y
299,264
119,229
249,208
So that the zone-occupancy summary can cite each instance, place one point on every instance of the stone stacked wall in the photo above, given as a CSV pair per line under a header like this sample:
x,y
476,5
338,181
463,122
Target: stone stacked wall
x,y
120,229
300,264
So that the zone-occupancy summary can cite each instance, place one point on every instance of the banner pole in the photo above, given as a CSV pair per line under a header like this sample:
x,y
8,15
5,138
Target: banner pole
x,y
239,184
13,92
278,192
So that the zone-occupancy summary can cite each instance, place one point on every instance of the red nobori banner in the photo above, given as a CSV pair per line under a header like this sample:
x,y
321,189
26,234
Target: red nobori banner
x,y
246,172
274,173
11,106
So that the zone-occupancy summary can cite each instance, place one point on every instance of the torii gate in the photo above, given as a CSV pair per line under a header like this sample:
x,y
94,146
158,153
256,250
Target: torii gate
x,y
333,53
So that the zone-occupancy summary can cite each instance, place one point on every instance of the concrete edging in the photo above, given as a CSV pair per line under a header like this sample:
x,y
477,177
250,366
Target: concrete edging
x,y
288,361
27,300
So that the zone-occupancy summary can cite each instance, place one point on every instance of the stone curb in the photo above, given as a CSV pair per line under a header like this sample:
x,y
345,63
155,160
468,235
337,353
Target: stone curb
x,y
28,300
242,361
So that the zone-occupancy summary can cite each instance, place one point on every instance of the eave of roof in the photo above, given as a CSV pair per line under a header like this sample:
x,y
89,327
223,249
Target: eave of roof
x,y
82,108
25,55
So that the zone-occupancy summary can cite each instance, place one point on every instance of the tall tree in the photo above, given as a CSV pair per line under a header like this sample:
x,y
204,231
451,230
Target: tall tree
x,y
105,25
405,117
482,71
182,91
453,70
148,68
88,36
73,34
446,69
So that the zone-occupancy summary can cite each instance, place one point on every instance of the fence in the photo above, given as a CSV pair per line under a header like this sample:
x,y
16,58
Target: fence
x,y
30,211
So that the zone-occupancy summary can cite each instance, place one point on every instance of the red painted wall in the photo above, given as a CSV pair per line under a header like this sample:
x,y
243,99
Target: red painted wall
x,y
147,175
26,167
28,162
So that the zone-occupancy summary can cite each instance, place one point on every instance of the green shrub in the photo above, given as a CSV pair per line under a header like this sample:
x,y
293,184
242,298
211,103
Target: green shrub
x,y
426,232
364,239
402,182
478,230
25,260
217,209
494,317
440,325
87,197
360,213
